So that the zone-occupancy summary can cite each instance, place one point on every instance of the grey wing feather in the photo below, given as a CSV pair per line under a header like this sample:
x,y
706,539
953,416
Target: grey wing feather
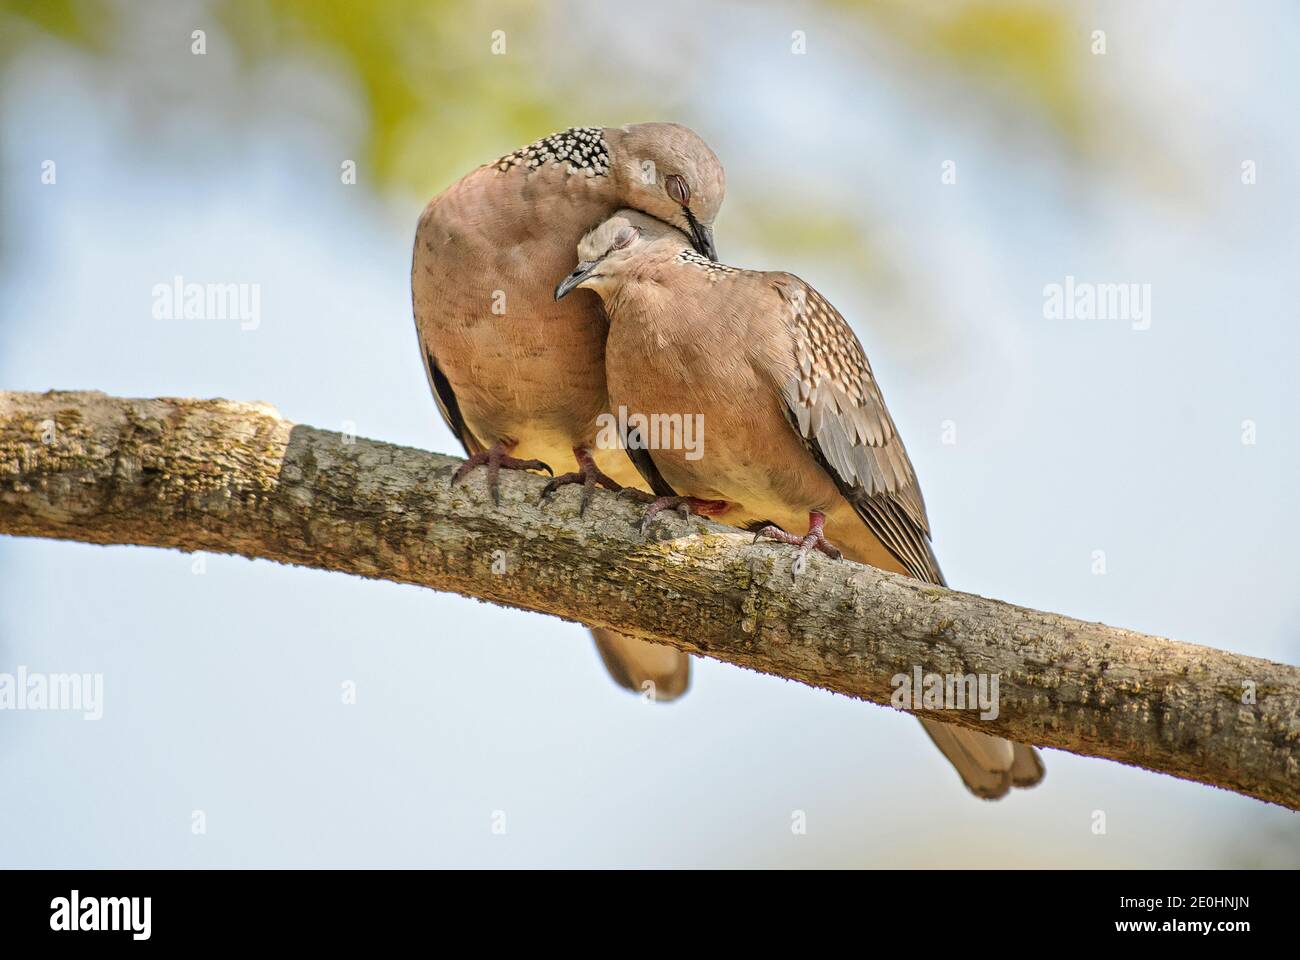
x,y
835,405
639,454
645,465
449,407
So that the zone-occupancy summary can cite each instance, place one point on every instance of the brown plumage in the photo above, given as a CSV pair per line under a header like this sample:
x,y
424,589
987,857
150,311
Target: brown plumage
x,y
795,421
517,376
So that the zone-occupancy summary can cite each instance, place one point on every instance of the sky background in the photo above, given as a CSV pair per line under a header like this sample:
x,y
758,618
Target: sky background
x,y
222,687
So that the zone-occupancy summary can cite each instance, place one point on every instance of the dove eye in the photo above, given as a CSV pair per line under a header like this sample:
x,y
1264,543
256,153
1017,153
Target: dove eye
x,y
624,237
677,189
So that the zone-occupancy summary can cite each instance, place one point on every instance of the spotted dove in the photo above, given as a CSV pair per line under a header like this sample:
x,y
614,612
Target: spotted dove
x,y
518,377
797,432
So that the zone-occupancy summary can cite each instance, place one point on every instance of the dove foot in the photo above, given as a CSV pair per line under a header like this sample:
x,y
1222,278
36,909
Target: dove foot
x,y
813,539
588,475
494,458
684,505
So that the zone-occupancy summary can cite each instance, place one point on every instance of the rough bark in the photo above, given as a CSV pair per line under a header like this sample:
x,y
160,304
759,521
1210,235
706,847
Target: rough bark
x,y
227,477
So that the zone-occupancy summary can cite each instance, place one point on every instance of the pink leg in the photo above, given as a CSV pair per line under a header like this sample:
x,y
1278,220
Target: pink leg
x,y
587,474
494,458
813,538
686,505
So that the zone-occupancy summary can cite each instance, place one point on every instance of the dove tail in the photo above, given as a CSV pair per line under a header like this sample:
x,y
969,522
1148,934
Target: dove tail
x,y
634,664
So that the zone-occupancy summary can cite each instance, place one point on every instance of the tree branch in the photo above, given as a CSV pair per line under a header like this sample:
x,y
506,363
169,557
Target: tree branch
x,y
228,477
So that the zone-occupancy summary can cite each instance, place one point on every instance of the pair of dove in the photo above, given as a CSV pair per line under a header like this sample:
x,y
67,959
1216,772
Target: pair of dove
x,y
522,370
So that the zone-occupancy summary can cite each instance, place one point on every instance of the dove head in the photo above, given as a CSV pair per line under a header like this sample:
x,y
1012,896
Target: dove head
x,y
607,252
667,171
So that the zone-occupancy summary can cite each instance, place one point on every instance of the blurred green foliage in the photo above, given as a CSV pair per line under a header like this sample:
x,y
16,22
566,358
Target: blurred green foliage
x,y
1029,53
426,91
432,102
85,23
